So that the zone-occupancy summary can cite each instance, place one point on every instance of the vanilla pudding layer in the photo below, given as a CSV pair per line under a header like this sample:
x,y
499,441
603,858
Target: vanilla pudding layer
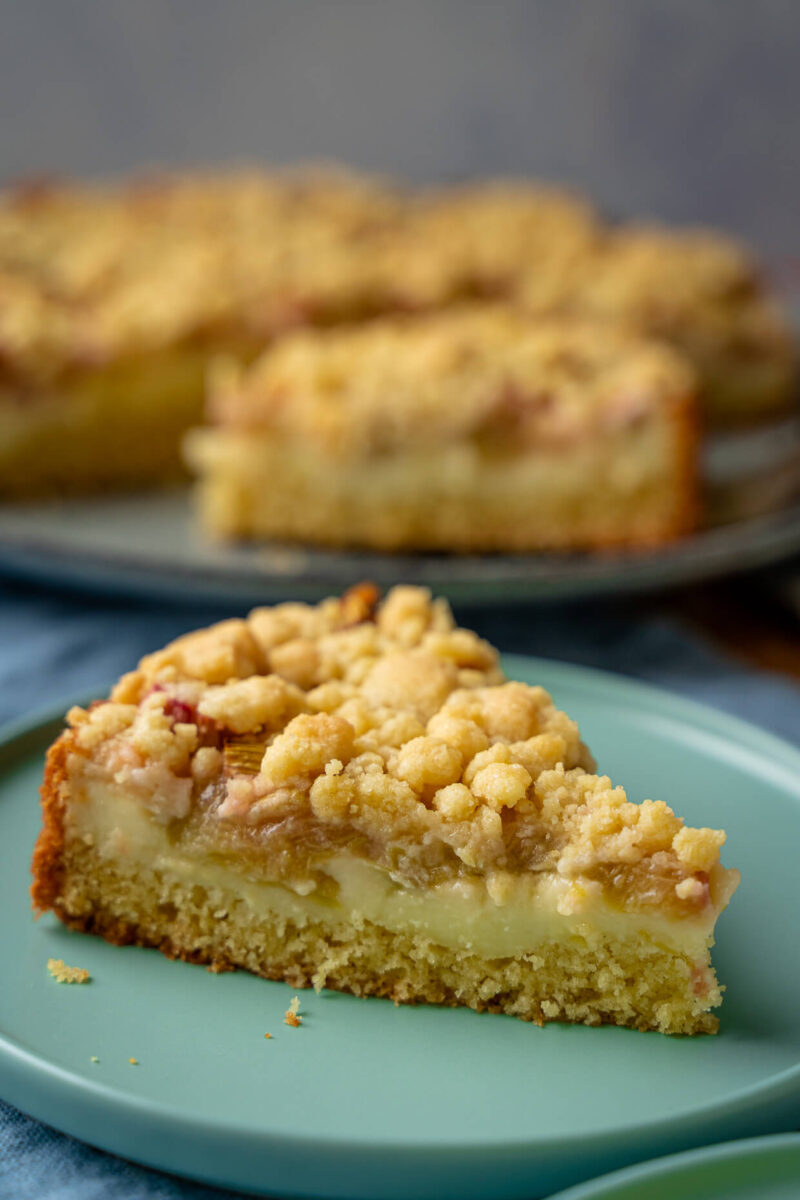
x,y
535,940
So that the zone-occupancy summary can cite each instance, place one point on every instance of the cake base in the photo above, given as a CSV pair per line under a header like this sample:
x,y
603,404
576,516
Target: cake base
x,y
632,487
638,984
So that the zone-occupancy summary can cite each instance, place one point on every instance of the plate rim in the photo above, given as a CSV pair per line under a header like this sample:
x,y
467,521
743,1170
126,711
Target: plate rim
x,y
771,1096
662,1167
770,539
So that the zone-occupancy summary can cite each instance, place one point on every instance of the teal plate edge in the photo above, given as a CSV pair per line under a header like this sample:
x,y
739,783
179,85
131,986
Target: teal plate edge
x,y
227,1156
758,1165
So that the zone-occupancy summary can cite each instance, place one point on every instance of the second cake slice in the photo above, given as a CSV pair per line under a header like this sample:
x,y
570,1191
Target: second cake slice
x,y
476,430
351,795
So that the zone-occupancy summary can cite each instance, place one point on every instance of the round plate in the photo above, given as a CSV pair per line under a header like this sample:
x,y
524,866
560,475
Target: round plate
x,y
755,1169
148,545
369,1100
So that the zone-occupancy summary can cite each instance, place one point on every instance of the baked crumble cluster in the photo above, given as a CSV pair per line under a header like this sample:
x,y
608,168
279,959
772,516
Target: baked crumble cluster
x,y
385,728
472,430
225,262
65,974
89,274
487,373
695,290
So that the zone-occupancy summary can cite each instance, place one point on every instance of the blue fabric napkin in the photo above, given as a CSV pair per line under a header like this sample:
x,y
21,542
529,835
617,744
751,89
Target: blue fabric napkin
x,y
54,646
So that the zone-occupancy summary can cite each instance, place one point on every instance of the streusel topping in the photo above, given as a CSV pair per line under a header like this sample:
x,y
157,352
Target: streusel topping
x,y
489,373
388,731
699,290
226,264
89,273
496,229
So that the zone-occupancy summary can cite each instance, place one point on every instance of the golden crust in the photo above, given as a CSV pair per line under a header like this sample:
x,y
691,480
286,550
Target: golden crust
x,y
492,230
48,854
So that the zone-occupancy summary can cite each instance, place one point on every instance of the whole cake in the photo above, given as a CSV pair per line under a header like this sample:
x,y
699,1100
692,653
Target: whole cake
x,y
114,298
353,796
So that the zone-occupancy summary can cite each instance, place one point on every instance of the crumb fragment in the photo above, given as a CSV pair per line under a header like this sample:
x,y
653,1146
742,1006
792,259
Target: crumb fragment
x,y
64,974
94,1059
267,1035
134,1062
291,1016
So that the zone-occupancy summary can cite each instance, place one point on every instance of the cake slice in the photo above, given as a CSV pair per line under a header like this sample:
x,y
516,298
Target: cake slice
x,y
481,429
352,796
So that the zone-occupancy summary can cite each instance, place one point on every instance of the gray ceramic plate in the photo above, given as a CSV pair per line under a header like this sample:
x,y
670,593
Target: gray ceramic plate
x,y
148,545
369,1100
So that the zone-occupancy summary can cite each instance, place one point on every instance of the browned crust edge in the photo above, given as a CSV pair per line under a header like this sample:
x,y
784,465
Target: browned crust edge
x,y
690,507
47,865
123,933
686,415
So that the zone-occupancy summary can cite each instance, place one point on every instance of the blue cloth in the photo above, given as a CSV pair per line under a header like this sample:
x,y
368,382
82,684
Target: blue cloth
x,y
54,646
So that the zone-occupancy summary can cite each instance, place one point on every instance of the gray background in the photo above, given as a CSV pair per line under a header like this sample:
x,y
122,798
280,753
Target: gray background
x,y
686,109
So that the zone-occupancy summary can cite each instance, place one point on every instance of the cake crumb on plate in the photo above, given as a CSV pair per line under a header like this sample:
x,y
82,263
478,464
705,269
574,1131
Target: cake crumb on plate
x,y
64,974
291,1016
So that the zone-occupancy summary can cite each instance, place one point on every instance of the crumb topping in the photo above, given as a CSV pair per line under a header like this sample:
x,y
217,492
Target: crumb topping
x,y
292,1015
90,272
229,262
403,743
491,374
699,290
64,974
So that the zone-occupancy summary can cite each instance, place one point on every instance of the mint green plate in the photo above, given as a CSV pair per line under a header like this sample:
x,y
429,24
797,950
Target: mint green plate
x,y
369,1100
756,1169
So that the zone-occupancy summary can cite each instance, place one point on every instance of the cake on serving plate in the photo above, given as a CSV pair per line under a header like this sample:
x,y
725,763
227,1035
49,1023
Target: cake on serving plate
x,y
482,429
352,796
115,298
